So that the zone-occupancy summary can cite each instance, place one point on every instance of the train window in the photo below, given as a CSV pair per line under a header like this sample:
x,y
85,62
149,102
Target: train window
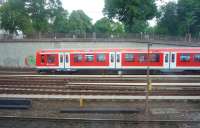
x,y
142,57
197,57
42,59
154,57
166,58
101,57
129,57
61,58
77,57
50,59
89,57
112,57
185,57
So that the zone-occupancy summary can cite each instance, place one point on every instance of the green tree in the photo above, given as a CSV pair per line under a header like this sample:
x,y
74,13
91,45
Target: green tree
x,y
168,22
42,13
103,26
60,21
53,6
14,17
130,12
58,16
188,15
107,26
179,19
138,26
39,15
117,27
33,16
79,22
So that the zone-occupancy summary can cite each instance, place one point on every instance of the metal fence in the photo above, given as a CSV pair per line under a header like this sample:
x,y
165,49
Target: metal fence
x,y
95,36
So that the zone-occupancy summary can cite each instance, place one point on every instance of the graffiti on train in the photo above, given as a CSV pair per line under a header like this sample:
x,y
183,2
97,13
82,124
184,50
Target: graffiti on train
x,y
30,61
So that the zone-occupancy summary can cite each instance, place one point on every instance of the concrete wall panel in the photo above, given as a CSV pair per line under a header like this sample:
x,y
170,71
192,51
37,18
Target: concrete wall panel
x,y
13,54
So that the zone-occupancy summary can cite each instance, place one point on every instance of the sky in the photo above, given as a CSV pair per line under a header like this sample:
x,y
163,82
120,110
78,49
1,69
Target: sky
x,y
93,8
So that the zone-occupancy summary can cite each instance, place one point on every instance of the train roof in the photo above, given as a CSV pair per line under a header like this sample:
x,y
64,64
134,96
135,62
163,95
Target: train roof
x,y
122,50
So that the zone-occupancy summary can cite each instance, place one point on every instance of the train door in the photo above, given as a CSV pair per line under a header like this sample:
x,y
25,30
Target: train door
x,y
172,60
61,60
166,60
112,60
67,60
118,60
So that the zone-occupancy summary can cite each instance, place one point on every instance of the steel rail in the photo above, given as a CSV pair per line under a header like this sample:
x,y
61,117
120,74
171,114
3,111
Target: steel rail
x,y
96,120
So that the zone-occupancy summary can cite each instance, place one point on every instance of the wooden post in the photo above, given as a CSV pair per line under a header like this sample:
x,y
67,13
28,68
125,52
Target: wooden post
x,y
81,102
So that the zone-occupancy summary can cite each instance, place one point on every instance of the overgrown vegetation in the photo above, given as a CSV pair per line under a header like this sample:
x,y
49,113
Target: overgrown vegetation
x,y
179,19
121,16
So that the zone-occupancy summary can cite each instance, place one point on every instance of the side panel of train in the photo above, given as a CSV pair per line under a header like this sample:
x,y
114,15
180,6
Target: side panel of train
x,y
118,60
188,60
66,61
131,60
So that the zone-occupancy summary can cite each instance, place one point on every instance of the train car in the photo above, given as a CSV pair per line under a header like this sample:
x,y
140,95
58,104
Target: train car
x,y
72,60
138,59
186,59
118,59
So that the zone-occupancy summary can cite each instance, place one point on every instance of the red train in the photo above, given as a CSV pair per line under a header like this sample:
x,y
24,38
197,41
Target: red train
x,y
118,59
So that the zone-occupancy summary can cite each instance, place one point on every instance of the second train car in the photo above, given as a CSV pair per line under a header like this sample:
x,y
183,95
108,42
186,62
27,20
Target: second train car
x,y
118,59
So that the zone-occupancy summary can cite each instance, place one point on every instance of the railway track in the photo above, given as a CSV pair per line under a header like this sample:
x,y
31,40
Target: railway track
x,y
97,86
18,72
96,120
12,121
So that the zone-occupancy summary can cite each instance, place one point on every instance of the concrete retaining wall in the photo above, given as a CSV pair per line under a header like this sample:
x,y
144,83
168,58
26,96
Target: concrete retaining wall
x,y
22,54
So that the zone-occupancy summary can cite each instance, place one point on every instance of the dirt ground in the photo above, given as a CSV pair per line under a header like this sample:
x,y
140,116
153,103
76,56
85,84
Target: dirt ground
x,y
158,110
